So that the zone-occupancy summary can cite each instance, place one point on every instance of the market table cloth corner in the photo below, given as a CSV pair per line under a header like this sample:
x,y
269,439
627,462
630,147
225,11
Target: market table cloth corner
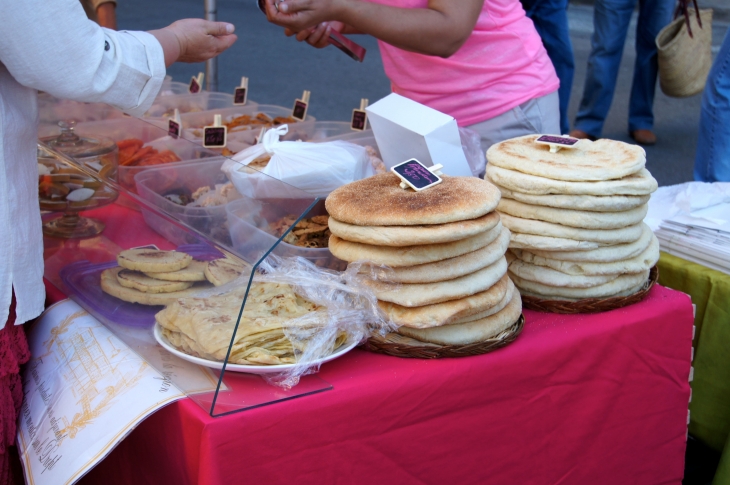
x,y
590,399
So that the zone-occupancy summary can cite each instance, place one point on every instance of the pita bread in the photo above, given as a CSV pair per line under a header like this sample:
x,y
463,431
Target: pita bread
x,y
153,260
551,277
511,291
446,269
518,225
413,295
546,243
605,254
643,261
110,285
596,203
410,255
194,272
606,290
413,235
379,201
142,282
628,292
222,271
471,332
639,183
602,159
574,218
448,311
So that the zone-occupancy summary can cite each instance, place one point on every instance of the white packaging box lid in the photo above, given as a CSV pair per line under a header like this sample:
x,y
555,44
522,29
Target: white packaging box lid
x,y
405,129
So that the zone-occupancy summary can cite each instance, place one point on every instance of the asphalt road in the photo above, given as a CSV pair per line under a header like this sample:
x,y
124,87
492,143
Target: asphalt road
x,y
279,69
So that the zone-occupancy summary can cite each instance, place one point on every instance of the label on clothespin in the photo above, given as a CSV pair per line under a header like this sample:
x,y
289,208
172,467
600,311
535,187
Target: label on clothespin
x,y
360,116
240,94
557,142
215,136
299,112
174,126
196,83
416,175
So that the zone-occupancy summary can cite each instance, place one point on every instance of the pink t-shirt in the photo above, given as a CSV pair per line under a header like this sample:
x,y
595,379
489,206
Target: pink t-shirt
x,y
502,65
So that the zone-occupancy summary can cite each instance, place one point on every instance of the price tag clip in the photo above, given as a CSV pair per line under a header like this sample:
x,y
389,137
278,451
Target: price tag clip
x,y
360,116
416,175
196,83
215,136
556,143
299,111
174,125
240,94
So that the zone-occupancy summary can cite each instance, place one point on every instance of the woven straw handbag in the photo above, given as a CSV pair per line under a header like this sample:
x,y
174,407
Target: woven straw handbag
x,y
685,51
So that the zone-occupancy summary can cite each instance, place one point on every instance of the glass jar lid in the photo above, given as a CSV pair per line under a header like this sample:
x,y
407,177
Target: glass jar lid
x,y
76,146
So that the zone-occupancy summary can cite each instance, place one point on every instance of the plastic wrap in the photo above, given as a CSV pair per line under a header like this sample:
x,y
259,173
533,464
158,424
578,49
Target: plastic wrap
x,y
316,168
475,157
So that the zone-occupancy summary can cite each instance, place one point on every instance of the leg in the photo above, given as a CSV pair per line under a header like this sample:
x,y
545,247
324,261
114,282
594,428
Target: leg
x,y
610,24
654,15
712,162
551,21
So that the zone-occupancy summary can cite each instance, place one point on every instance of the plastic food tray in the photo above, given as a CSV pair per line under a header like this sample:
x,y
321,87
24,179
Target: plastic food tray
x,y
164,106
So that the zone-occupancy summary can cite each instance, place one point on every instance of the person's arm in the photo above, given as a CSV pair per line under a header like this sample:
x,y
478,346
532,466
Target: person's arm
x,y
106,15
53,47
439,30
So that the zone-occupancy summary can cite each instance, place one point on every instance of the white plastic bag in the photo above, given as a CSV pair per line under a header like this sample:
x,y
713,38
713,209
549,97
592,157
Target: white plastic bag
x,y
316,168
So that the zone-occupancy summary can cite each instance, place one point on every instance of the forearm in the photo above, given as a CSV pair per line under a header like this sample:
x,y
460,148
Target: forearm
x,y
170,45
106,15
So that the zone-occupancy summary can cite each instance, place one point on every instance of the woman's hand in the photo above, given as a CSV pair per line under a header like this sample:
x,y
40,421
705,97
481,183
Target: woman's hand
x,y
194,40
317,36
301,15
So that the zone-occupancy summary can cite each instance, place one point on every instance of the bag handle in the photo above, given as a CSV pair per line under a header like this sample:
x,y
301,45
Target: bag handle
x,y
683,9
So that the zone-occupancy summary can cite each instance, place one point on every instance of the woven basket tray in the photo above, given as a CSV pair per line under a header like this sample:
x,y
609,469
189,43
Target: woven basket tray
x,y
401,346
591,305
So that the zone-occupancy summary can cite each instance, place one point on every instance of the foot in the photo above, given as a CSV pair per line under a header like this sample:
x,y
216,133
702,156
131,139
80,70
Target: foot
x,y
643,137
582,135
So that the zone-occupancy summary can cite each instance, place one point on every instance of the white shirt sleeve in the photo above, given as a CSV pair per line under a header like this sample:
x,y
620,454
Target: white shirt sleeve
x,y
51,46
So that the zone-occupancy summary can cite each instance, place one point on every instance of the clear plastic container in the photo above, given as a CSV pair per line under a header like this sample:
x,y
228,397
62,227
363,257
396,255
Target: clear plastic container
x,y
173,88
304,131
164,106
363,138
251,235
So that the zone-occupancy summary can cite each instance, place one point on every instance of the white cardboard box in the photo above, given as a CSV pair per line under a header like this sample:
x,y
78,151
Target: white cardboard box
x,y
405,129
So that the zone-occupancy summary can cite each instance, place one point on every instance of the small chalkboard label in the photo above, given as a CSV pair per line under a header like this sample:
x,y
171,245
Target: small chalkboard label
x,y
194,87
214,136
299,111
173,129
416,175
240,96
557,140
359,120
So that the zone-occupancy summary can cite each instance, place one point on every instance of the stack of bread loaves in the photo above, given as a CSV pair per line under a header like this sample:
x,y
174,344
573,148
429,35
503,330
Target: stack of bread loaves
x,y
445,249
575,217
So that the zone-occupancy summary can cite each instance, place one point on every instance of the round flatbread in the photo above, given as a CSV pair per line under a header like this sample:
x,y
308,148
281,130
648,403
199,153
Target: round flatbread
x,y
639,183
153,260
222,271
194,272
605,254
413,235
551,277
517,225
142,282
596,203
413,295
627,292
606,290
470,332
574,218
410,255
110,285
448,311
491,311
643,261
380,201
547,243
448,269
587,160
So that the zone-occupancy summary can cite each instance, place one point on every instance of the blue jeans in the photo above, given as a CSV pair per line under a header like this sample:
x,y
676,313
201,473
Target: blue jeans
x,y
610,24
712,162
551,21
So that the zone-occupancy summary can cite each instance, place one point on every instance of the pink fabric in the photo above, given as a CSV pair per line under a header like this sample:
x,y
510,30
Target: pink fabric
x,y
502,65
587,399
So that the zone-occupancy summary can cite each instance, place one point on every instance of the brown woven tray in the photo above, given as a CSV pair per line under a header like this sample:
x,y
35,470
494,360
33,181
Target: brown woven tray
x,y
399,345
591,305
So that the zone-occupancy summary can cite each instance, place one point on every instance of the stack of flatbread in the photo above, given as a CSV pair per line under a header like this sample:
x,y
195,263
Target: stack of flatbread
x,y
436,258
575,217
154,277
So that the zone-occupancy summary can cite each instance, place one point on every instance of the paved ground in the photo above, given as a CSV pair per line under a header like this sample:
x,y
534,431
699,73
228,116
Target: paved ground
x,y
279,70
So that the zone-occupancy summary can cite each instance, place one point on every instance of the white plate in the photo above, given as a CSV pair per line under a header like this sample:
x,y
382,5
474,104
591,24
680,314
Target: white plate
x,y
251,369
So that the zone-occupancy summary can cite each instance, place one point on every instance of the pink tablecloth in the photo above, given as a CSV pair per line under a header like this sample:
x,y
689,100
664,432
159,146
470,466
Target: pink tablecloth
x,y
591,399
